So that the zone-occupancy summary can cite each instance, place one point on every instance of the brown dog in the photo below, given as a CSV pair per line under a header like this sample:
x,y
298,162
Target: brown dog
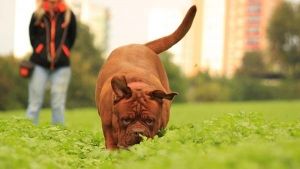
x,y
133,96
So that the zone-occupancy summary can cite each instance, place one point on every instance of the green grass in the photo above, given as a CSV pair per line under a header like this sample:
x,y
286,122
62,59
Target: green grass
x,y
248,135
88,119
270,110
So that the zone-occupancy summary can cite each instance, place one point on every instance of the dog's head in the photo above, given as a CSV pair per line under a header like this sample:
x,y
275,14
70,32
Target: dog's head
x,y
138,111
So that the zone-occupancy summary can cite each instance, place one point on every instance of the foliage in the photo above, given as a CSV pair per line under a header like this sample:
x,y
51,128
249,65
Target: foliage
x,y
240,140
289,89
284,37
205,88
13,88
251,89
252,65
86,62
82,87
85,48
244,88
178,82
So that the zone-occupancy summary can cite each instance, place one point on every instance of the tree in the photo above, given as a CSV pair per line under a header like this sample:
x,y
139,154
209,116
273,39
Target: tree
x,y
13,88
86,63
178,82
84,47
83,83
205,88
252,65
284,37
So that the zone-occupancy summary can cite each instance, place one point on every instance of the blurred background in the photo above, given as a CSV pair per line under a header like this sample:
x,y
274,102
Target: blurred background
x,y
237,50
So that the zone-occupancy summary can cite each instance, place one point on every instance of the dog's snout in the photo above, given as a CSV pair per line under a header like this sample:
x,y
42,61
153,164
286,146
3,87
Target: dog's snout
x,y
138,132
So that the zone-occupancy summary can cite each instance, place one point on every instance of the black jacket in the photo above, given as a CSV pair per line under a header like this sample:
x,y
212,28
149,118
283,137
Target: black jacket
x,y
51,41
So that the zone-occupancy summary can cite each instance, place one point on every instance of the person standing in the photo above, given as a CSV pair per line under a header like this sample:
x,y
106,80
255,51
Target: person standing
x,y
52,33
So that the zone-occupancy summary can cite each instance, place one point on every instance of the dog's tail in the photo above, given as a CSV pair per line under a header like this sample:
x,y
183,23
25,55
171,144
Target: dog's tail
x,y
164,43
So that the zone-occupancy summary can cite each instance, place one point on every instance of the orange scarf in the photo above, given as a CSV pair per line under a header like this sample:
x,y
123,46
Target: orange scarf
x,y
59,6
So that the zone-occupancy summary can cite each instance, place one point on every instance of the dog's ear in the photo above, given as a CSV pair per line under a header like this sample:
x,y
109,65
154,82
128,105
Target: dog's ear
x,y
159,95
120,88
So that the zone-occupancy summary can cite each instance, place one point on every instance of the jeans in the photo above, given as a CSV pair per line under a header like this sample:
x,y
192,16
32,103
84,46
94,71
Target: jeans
x,y
59,81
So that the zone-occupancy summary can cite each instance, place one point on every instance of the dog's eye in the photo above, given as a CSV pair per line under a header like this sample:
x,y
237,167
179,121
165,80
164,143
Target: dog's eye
x,y
149,121
126,121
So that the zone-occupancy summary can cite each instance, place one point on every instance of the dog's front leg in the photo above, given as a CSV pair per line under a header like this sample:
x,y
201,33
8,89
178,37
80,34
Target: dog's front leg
x,y
108,135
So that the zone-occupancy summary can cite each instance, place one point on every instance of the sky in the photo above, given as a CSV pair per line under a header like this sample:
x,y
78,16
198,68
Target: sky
x,y
127,25
6,38
213,35
14,20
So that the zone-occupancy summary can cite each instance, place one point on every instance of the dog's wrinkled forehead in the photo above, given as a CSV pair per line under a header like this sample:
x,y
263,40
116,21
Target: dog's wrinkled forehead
x,y
138,100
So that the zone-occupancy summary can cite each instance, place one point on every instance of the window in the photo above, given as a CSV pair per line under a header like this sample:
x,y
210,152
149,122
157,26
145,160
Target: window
x,y
253,30
253,19
254,8
252,41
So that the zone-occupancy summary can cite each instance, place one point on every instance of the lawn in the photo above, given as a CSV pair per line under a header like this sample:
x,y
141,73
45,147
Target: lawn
x,y
244,135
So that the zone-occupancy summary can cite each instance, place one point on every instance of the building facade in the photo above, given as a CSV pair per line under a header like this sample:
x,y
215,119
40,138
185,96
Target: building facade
x,y
204,50
223,30
192,43
245,30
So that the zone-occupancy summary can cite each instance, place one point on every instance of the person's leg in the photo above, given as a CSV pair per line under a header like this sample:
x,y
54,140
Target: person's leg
x,y
59,85
37,85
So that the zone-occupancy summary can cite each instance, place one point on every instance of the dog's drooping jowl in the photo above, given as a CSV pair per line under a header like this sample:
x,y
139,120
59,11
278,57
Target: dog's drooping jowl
x,y
133,96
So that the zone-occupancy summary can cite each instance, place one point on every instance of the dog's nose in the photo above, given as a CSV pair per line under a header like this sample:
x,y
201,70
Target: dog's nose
x,y
138,132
